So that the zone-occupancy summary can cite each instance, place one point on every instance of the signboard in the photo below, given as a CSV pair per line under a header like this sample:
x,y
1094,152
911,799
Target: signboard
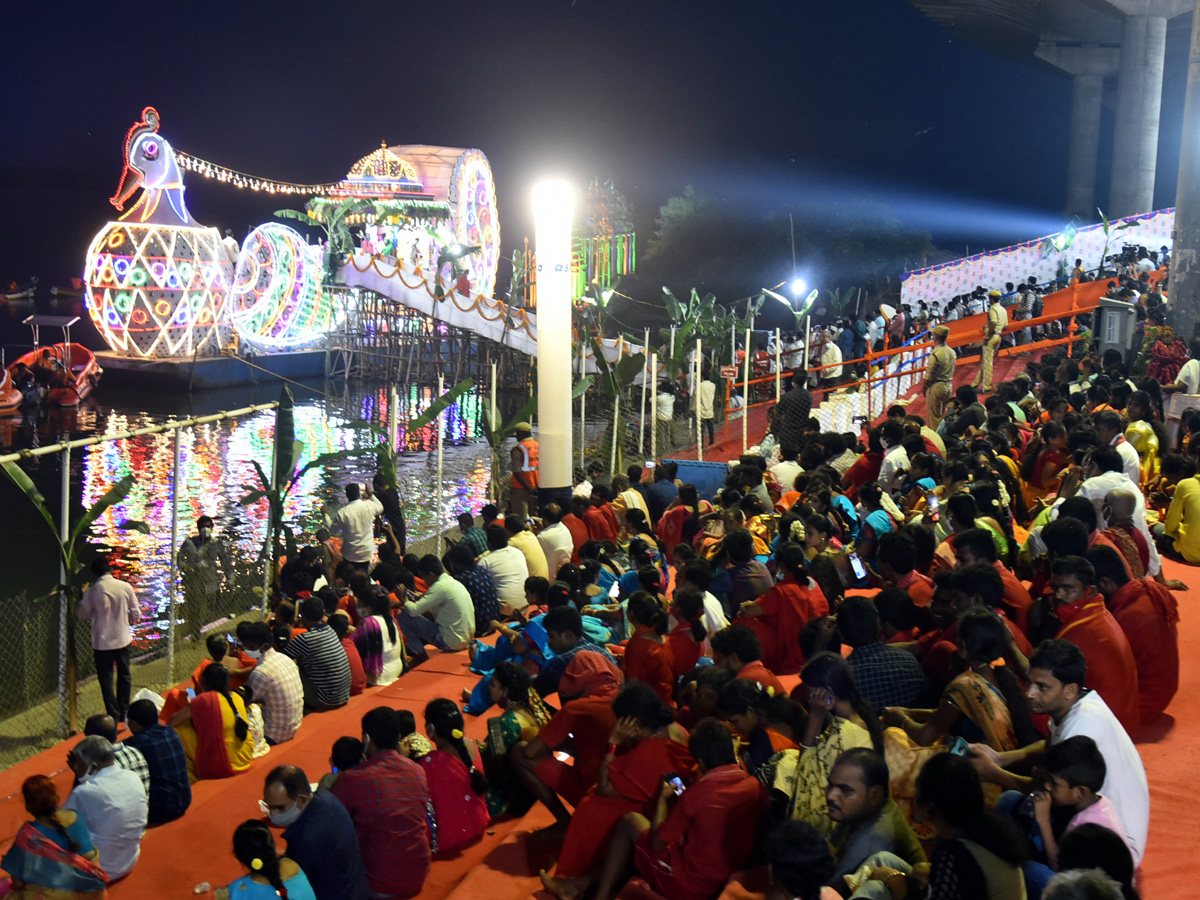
x,y
729,371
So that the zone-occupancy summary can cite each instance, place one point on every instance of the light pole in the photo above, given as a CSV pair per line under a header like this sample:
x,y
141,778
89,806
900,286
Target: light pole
x,y
553,211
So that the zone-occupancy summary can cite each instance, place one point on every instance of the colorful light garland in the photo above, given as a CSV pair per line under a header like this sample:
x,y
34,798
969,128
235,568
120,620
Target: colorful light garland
x,y
242,180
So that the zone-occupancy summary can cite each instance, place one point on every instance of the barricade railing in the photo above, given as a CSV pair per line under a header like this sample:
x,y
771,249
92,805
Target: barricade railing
x,y
893,372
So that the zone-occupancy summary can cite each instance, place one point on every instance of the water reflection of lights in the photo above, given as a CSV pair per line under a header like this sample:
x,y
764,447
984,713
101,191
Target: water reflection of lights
x,y
216,466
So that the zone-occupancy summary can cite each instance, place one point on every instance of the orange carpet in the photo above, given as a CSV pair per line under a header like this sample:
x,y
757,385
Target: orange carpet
x,y
504,864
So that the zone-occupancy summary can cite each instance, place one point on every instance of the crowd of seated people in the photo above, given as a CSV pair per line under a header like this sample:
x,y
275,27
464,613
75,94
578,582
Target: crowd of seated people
x,y
915,666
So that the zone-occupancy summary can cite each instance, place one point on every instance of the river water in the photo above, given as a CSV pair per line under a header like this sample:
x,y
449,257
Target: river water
x,y
216,472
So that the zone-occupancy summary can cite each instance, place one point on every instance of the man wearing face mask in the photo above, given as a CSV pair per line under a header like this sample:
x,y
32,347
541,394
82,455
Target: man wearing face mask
x,y
274,684
202,560
319,833
112,801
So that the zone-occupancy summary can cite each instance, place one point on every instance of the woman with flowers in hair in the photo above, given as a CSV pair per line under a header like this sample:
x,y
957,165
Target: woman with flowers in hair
x,y
457,787
524,716
271,876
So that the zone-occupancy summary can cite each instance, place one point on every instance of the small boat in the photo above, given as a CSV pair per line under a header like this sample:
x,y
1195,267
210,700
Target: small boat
x,y
75,372
10,398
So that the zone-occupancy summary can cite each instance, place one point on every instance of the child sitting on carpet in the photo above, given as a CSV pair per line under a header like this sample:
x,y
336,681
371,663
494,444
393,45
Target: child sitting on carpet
x,y
1075,770
346,752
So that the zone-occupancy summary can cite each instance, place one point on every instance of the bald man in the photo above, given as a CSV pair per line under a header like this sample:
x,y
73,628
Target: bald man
x,y
1117,513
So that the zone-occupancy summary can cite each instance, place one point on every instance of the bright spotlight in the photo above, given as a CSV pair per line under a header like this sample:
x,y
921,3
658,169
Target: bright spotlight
x,y
798,287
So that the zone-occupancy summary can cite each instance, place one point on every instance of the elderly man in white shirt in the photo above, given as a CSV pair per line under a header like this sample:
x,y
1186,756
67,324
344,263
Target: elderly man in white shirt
x,y
112,607
113,802
556,540
356,523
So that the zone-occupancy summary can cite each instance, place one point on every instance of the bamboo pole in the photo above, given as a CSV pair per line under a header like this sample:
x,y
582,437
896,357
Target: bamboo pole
x,y
645,374
172,587
654,408
696,394
778,367
68,671
582,407
746,389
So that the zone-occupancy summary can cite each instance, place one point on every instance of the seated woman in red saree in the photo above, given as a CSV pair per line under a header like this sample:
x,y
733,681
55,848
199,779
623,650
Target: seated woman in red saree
x,y
650,747
779,615
647,657
1042,471
215,729
457,787
686,639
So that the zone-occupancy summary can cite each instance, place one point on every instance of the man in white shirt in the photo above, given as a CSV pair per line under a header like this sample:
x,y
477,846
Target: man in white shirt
x,y
1057,671
113,802
508,569
1188,379
786,470
448,601
831,355
1104,472
895,460
112,607
555,539
356,523
1108,426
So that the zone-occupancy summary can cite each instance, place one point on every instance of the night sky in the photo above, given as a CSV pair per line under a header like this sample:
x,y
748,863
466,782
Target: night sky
x,y
764,103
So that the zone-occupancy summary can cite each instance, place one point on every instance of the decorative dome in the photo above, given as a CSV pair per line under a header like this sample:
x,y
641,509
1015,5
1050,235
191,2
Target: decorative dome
x,y
384,165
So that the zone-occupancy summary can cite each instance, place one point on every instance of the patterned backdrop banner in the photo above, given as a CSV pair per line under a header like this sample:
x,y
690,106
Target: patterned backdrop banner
x,y
993,268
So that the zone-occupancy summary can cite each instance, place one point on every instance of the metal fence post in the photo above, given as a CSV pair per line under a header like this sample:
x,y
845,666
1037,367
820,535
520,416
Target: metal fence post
x,y
696,395
172,581
66,652
746,389
440,430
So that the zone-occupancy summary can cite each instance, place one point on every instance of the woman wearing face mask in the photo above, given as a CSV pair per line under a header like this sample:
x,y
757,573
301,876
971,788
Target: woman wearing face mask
x,y
214,729
271,876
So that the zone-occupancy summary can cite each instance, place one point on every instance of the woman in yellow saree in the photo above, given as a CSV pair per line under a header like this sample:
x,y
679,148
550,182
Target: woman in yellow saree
x,y
214,729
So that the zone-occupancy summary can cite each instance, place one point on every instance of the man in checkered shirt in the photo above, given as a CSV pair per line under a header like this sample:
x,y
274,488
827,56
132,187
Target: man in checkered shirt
x,y
105,726
885,676
274,684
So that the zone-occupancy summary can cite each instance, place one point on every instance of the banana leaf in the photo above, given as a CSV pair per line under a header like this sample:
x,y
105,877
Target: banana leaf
x,y
111,497
438,406
286,452
18,477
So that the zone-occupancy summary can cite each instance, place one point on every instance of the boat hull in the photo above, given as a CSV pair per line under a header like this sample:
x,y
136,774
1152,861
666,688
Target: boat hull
x,y
83,372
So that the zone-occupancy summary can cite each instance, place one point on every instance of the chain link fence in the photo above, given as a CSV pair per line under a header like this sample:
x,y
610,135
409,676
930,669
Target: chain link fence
x,y
215,468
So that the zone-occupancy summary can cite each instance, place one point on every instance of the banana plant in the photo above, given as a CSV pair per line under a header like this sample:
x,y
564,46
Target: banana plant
x,y
705,319
70,554
339,240
1109,230
614,381
839,300
276,487
496,431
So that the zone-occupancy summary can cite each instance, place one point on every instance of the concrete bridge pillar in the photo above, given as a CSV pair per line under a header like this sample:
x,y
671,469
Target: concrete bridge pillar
x,y
1088,66
1139,98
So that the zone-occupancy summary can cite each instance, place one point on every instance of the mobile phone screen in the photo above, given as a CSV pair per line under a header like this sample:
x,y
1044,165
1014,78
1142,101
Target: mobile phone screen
x,y
676,784
649,464
191,692
860,571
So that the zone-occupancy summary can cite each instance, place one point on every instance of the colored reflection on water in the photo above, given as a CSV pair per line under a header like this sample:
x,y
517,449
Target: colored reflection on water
x,y
217,470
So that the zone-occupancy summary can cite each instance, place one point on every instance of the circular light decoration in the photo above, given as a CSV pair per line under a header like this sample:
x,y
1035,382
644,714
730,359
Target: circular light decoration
x,y
138,277
276,302
476,224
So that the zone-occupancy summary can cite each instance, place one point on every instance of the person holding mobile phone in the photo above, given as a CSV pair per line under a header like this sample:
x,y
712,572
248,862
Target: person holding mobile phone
x,y
646,749
876,523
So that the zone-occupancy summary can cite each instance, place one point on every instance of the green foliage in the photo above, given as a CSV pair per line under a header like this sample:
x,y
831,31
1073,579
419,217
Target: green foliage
x,y
339,239
702,318
1110,230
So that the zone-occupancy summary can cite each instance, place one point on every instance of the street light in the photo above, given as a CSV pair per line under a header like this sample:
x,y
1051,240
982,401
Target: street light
x,y
798,287
553,214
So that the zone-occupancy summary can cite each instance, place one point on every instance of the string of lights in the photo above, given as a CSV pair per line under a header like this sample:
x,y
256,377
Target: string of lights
x,y
252,182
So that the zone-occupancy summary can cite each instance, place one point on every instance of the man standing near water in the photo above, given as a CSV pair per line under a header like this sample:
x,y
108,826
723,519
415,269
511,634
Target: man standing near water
x,y
111,606
524,460
355,522
202,560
